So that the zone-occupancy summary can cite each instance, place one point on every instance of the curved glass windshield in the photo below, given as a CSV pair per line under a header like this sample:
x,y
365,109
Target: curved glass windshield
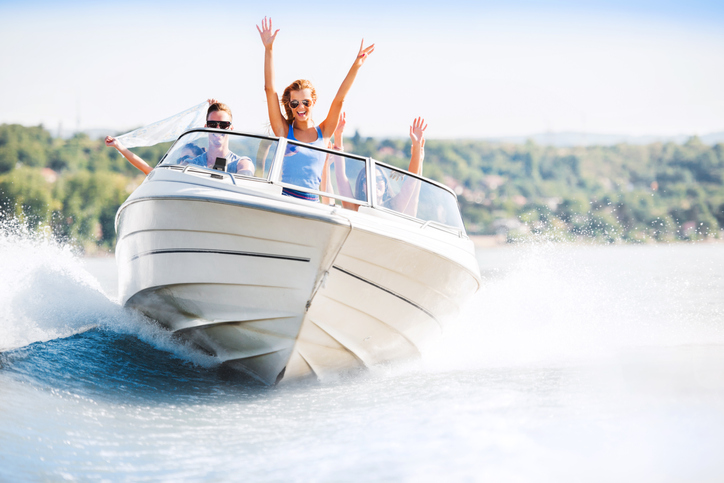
x,y
307,168
399,191
316,174
215,149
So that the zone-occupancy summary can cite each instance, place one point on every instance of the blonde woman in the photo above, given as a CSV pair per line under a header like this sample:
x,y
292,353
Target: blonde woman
x,y
303,167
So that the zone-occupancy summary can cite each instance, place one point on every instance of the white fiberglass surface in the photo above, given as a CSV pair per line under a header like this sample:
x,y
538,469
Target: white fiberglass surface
x,y
573,363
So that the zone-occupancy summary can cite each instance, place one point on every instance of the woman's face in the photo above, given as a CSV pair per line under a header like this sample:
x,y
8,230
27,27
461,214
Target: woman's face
x,y
380,185
301,112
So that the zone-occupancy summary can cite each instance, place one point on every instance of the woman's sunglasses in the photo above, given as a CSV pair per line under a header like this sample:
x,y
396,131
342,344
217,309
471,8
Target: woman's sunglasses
x,y
219,124
295,103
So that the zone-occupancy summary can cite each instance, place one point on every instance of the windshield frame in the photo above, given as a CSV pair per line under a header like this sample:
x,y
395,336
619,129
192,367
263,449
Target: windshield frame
x,y
274,175
377,204
225,131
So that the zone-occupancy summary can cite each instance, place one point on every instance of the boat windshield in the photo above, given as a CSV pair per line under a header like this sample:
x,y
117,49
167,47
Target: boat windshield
x,y
240,154
337,179
400,191
343,181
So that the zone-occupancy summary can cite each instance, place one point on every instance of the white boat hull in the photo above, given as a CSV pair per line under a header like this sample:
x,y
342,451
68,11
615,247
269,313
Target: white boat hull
x,y
282,289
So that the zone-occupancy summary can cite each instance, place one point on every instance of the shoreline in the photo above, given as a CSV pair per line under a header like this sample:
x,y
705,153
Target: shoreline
x,y
497,241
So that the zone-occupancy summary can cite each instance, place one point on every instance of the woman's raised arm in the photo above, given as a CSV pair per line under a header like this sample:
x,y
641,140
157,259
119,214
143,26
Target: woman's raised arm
x,y
276,119
408,198
417,136
330,124
131,157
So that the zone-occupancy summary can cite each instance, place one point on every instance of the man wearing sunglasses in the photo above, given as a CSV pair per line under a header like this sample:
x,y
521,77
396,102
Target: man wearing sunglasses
x,y
218,116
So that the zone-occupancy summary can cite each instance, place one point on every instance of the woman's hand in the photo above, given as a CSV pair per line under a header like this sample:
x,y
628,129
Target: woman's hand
x,y
267,38
363,53
212,101
329,124
417,131
112,142
341,123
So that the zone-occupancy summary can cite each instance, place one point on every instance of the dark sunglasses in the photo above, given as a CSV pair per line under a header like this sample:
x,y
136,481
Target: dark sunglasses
x,y
295,103
219,124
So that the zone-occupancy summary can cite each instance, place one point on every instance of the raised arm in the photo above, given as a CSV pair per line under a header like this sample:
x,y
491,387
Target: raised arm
x,y
339,165
276,119
126,153
417,136
329,125
407,199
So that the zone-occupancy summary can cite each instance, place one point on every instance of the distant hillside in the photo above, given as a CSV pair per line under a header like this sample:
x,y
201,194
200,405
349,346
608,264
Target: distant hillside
x,y
571,139
621,192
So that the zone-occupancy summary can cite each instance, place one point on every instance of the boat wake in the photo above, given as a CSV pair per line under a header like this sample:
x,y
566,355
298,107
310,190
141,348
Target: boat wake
x,y
542,303
57,319
558,303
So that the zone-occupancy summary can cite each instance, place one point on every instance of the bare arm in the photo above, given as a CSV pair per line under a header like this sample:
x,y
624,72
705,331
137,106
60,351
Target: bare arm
x,y
407,199
276,119
126,153
245,166
417,136
340,174
261,153
329,125
326,183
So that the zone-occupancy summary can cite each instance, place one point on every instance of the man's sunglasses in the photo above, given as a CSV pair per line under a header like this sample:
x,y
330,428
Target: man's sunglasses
x,y
218,124
295,103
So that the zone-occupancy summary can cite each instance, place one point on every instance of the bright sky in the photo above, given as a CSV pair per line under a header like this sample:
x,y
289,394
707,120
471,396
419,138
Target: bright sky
x,y
472,69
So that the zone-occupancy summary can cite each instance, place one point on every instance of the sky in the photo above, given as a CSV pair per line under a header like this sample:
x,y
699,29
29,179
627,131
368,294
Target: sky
x,y
471,69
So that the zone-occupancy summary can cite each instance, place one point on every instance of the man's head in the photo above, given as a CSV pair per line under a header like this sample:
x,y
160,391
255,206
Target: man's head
x,y
218,107
218,116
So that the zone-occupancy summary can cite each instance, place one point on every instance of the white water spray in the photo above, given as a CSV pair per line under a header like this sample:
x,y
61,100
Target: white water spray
x,y
46,294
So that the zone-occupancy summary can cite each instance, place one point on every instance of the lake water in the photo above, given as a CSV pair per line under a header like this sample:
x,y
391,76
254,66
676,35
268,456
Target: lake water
x,y
572,364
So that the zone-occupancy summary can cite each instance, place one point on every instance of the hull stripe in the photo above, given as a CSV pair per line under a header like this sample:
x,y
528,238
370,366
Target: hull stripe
x,y
395,294
221,252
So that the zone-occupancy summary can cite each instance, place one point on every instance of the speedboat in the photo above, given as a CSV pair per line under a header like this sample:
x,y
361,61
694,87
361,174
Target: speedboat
x,y
367,272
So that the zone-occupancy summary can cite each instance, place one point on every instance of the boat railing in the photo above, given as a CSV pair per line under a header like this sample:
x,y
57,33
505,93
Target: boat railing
x,y
347,179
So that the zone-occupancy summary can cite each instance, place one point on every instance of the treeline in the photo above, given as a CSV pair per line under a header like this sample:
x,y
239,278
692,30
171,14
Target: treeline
x,y
633,193
71,186
661,192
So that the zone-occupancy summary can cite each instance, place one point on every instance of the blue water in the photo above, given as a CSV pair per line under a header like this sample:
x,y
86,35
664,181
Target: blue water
x,y
574,363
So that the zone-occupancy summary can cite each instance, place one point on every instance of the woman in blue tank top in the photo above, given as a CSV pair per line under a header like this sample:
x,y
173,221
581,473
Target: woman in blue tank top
x,y
302,166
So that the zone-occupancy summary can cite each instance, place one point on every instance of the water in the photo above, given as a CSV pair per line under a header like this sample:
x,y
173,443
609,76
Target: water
x,y
573,364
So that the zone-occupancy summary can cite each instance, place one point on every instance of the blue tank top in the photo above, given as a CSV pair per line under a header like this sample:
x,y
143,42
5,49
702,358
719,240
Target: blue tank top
x,y
303,166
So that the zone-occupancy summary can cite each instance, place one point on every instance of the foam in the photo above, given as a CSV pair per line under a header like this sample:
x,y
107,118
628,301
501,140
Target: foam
x,y
563,302
46,294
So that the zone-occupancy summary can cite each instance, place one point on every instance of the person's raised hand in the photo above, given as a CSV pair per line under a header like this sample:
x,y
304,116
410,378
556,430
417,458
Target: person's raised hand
x,y
341,123
417,131
364,53
267,37
112,142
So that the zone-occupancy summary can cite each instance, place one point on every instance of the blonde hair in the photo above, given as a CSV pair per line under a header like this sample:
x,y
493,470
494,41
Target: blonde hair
x,y
297,85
